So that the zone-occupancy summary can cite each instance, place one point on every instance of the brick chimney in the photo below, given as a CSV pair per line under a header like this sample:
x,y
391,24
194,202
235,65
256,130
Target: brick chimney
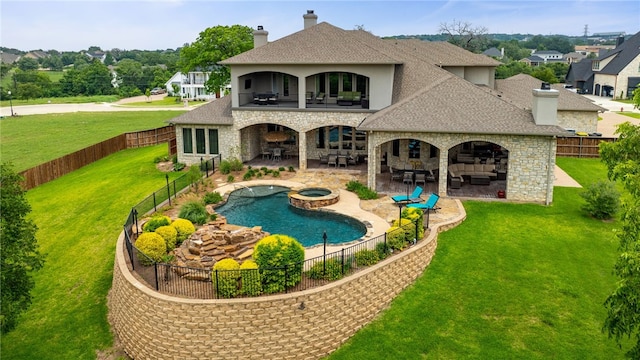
x,y
545,105
260,37
310,19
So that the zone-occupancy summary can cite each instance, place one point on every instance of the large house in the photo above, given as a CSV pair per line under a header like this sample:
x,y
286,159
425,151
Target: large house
x,y
190,85
390,101
615,73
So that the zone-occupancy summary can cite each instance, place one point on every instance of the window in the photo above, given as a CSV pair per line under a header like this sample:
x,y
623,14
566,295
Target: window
x,y
361,85
320,138
247,84
285,85
320,83
333,84
187,141
346,82
395,151
200,141
414,149
595,65
213,141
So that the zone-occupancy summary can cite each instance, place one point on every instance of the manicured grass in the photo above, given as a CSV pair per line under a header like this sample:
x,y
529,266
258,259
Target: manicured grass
x,y
61,100
79,217
514,281
630,114
168,101
31,140
55,76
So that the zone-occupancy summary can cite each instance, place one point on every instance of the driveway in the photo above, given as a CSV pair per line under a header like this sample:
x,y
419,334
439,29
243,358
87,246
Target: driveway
x,y
611,119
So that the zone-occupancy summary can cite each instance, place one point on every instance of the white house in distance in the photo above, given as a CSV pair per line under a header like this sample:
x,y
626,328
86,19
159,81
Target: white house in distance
x,y
191,85
392,103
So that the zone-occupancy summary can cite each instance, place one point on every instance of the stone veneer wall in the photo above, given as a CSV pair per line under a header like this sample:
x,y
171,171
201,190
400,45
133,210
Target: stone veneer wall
x,y
586,121
301,325
227,139
530,168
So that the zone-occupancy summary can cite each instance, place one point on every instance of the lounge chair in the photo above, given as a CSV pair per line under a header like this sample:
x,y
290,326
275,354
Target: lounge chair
x,y
320,98
414,197
309,97
430,204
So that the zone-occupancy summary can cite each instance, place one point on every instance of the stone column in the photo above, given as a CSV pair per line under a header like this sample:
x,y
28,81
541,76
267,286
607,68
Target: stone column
x,y
442,172
372,164
302,150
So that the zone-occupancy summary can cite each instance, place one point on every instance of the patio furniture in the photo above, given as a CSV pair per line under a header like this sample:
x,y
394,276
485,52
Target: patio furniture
x,y
407,178
320,98
333,160
421,178
455,182
348,97
342,160
479,180
272,98
414,197
266,153
324,159
309,97
429,204
395,174
277,154
353,159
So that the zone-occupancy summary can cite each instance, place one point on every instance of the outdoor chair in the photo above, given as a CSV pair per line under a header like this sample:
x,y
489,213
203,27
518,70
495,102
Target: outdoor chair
x,y
430,204
414,197
277,154
324,159
320,98
333,160
421,178
408,178
342,160
309,97
266,154
395,175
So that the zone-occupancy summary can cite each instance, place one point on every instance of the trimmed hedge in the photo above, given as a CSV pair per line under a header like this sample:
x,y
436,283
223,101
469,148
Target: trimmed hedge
x,y
152,246
169,234
155,222
225,278
251,279
184,228
283,256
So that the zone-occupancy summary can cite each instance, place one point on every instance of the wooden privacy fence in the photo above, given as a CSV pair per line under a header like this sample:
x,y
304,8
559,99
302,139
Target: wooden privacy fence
x,y
53,169
581,146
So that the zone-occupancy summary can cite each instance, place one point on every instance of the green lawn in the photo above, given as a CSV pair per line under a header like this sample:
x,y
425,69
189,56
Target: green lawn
x,y
514,281
31,140
79,217
167,101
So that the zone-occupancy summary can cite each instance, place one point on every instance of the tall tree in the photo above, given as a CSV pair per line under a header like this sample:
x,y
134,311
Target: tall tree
x,y
27,64
20,254
215,44
623,305
465,35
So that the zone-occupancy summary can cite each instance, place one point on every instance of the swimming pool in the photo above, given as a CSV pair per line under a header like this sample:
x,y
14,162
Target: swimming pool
x,y
268,206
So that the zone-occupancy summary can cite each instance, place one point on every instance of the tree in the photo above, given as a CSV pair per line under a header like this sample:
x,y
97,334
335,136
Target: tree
x,y
545,74
622,159
465,35
636,97
213,45
108,59
27,63
20,254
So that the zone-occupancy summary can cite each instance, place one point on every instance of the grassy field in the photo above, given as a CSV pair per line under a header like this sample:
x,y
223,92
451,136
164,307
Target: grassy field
x,y
79,217
34,139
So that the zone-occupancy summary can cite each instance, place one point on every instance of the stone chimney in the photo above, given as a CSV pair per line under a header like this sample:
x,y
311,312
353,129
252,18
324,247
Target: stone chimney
x,y
545,105
310,19
260,37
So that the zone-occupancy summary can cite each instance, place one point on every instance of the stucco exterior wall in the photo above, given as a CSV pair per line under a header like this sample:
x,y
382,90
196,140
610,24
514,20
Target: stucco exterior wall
x,y
530,167
586,121
300,325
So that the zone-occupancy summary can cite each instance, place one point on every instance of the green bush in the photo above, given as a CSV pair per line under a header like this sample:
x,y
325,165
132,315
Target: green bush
x,y
396,238
169,234
225,277
159,159
179,166
155,222
291,169
264,169
194,176
195,212
603,200
225,167
236,164
367,257
230,178
184,228
153,246
248,175
281,168
212,197
272,254
275,173
383,250
251,279
363,192
415,215
408,227
332,272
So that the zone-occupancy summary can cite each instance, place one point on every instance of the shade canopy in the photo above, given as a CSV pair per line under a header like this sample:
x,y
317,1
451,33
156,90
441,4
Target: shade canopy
x,y
276,136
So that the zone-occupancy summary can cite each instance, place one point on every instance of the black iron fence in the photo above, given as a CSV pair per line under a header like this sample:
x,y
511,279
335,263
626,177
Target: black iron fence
x,y
203,283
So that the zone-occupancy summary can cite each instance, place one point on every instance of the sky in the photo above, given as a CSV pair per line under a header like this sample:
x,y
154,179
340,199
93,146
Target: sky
x,y
169,24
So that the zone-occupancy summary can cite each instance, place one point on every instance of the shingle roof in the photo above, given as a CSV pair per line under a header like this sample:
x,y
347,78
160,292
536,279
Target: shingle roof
x,y
216,112
442,53
455,105
580,71
624,54
492,52
518,90
321,44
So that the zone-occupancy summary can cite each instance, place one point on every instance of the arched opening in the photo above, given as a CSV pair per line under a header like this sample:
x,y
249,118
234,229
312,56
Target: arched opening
x,y
270,144
407,163
478,169
269,89
328,145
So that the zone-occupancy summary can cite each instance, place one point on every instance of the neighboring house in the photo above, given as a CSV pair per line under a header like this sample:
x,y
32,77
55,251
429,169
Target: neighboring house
x,y
593,49
191,85
8,58
574,57
494,52
96,55
575,112
615,73
538,58
533,60
392,101
36,54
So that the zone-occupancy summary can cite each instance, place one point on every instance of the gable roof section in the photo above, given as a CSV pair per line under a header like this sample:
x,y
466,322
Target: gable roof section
x,y
492,52
580,71
442,53
442,108
216,112
518,90
624,54
321,44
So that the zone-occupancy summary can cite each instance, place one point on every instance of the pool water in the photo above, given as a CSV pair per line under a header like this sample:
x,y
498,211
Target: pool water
x,y
314,192
268,206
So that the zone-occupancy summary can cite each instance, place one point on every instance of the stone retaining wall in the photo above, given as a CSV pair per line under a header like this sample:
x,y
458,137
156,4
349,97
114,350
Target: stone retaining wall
x,y
302,325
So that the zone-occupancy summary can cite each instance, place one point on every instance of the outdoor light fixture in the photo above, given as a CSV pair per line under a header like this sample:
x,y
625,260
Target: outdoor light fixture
x,y
10,102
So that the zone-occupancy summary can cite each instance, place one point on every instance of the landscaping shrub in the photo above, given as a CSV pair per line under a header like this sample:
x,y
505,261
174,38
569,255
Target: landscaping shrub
x,y
291,169
408,227
248,175
155,222
236,164
383,250
415,215
184,228
367,257
169,234
251,279
225,167
332,272
225,278
363,192
153,246
212,197
603,200
194,176
179,166
275,173
396,238
281,168
272,254
195,212
230,178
